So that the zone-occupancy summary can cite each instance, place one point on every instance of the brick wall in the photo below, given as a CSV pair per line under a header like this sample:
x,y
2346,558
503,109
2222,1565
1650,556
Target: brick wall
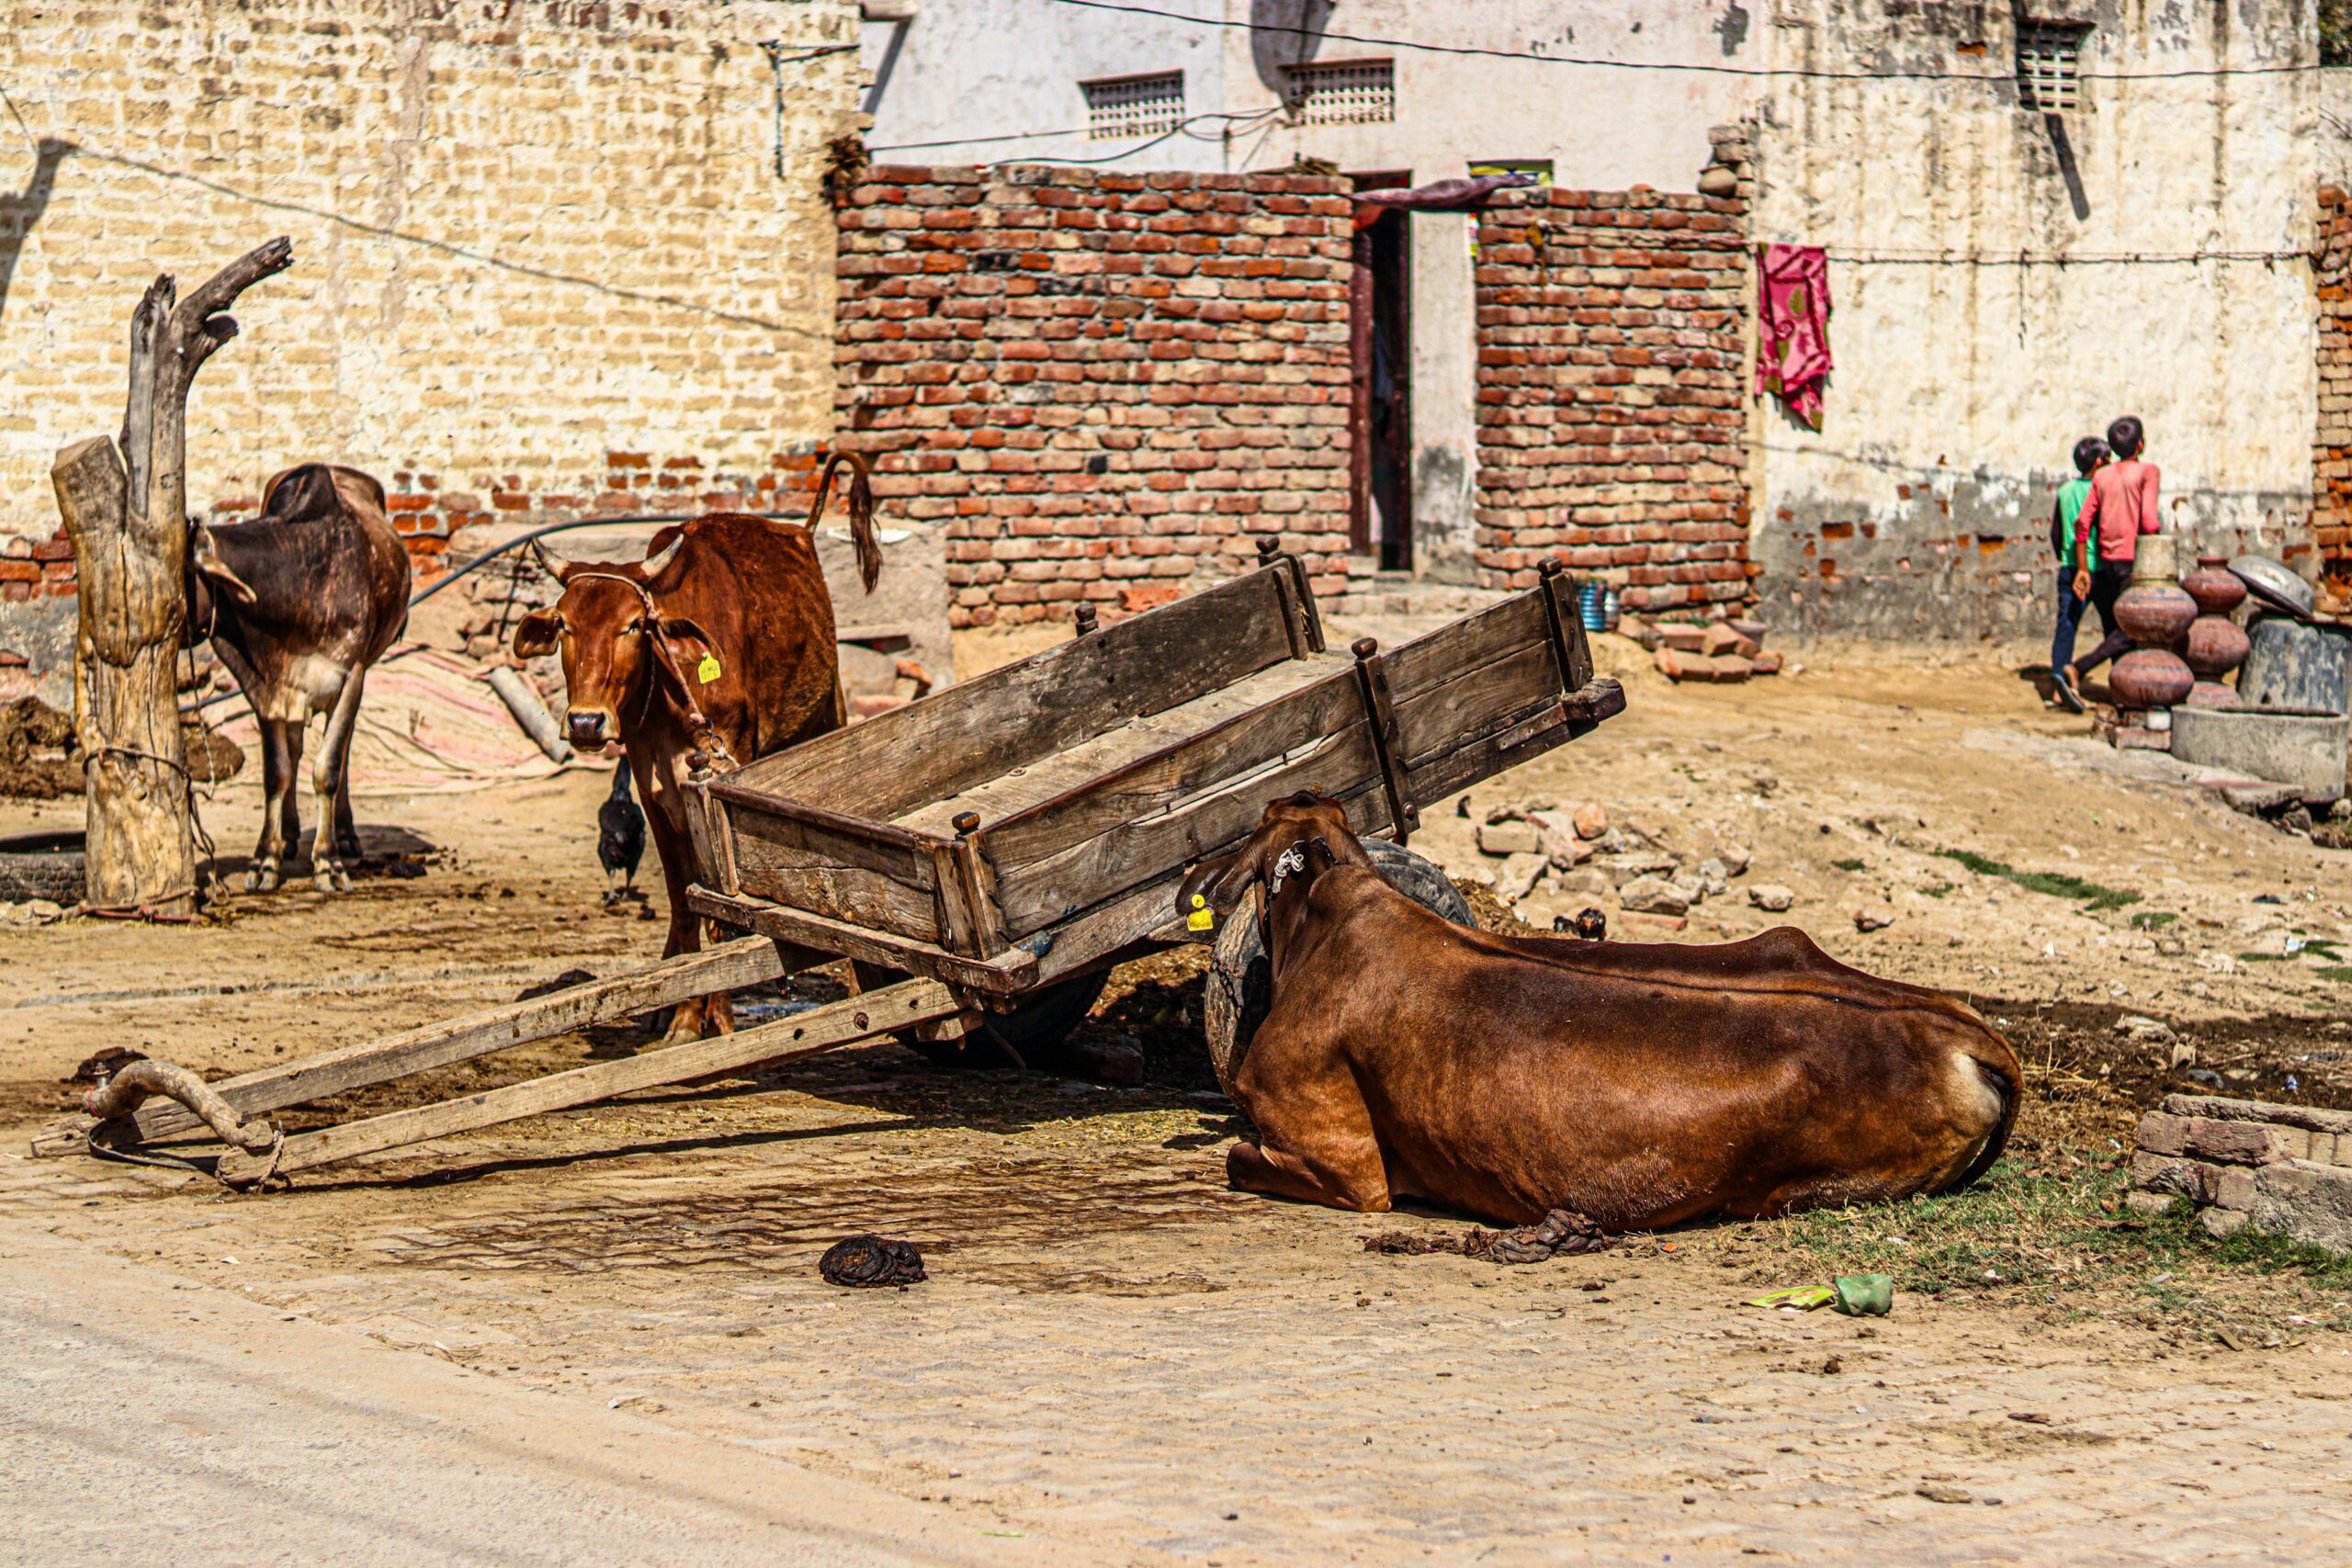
x,y
530,241
1613,427
2331,443
1108,385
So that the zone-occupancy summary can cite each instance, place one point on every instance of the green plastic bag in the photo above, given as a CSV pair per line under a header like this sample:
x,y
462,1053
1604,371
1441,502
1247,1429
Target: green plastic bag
x,y
1864,1295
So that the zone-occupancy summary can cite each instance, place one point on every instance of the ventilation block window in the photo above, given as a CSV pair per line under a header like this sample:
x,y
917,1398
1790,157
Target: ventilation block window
x,y
1124,106
1344,92
2049,66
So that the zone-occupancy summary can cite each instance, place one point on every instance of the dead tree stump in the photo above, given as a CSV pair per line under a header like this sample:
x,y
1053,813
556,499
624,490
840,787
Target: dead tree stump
x,y
126,510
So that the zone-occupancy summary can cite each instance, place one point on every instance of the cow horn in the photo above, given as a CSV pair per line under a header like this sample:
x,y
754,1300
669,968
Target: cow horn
x,y
655,562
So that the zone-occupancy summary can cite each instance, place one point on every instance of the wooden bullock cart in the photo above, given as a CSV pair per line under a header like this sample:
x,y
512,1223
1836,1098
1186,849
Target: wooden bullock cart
x,y
1000,844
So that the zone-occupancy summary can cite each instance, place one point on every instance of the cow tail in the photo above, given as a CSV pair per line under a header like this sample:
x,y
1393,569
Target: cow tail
x,y
861,512
2000,1073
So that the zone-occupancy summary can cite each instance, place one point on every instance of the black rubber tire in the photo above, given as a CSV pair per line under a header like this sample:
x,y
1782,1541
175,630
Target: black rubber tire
x,y
1240,985
41,865
1035,1030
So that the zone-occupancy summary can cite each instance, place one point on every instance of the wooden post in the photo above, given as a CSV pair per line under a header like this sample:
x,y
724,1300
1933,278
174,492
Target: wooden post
x,y
126,510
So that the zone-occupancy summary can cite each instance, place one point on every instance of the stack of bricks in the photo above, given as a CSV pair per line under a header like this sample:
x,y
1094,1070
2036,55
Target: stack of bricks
x,y
1106,386
1729,650
1612,428
2332,443
2286,1168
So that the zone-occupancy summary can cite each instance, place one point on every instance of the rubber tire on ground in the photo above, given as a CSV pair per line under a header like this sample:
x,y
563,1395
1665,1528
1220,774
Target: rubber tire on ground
x,y
1034,1030
41,865
1241,986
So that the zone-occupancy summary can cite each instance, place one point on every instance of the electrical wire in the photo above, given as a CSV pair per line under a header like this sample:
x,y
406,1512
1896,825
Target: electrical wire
x,y
1182,128
1700,68
1253,118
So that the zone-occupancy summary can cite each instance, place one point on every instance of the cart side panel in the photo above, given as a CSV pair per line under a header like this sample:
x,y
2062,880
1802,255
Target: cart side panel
x,y
1083,941
1459,647
841,876
944,744
1342,763
1468,681
1166,778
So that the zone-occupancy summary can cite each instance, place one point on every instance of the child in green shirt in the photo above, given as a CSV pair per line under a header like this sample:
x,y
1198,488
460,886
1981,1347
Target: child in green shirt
x,y
2090,454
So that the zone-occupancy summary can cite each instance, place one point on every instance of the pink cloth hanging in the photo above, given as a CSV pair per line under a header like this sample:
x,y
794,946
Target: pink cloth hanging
x,y
1793,356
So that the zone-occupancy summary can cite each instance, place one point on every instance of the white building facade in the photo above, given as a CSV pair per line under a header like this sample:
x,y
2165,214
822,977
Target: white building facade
x,y
2037,221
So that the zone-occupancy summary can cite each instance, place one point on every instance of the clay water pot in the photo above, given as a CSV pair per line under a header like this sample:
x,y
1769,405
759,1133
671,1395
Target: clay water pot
x,y
2214,586
2151,678
2211,694
2217,645
2154,614
2156,558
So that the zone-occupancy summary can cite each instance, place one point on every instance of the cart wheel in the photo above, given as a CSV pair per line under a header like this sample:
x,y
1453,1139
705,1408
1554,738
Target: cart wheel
x,y
1240,980
1035,1030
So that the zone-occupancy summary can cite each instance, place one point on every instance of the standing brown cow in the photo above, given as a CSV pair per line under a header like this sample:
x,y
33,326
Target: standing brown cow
x,y
298,604
1640,1085
723,635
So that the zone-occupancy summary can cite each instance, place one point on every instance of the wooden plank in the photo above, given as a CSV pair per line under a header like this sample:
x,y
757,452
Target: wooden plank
x,y
947,742
713,836
1007,973
1477,703
1380,713
1478,760
1048,890
901,1006
837,875
746,962
1441,656
1164,780
1018,790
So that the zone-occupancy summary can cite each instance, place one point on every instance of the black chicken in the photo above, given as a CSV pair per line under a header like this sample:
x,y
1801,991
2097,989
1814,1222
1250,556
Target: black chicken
x,y
620,840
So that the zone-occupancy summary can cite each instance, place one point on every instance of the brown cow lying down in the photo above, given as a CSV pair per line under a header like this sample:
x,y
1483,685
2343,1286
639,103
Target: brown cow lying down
x,y
720,639
1639,1083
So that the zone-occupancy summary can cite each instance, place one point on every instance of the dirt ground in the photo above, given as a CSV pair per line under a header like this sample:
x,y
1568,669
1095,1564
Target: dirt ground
x,y
1115,1351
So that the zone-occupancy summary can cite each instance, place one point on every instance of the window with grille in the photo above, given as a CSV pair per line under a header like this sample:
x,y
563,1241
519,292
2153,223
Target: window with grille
x,y
1133,106
2049,66
1345,92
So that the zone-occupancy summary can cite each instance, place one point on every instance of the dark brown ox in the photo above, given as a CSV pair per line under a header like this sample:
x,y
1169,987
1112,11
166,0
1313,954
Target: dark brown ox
x,y
720,640
299,605
1639,1083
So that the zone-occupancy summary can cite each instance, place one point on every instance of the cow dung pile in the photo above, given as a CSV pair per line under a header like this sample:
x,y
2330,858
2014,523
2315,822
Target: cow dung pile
x,y
40,757
869,1260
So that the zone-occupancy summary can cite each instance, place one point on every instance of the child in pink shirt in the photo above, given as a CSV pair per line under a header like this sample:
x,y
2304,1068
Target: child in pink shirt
x,y
2121,507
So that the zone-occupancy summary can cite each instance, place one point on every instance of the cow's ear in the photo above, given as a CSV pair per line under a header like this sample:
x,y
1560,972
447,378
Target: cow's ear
x,y
691,653
1217,883
685,636
226,580
535,634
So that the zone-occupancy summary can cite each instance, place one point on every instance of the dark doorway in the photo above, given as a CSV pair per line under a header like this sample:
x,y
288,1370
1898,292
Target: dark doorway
x,y
1381,427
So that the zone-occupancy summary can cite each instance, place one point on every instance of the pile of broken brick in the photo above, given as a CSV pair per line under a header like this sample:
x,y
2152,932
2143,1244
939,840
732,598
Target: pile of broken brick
x,y
2286,1168
1704,651
1576,852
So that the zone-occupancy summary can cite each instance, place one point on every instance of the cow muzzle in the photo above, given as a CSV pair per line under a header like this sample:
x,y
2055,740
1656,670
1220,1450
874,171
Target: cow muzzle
x,y
587,728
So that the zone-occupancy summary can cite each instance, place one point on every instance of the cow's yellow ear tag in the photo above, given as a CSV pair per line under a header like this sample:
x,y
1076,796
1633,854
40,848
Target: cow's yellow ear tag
x,y
707,671
1201,918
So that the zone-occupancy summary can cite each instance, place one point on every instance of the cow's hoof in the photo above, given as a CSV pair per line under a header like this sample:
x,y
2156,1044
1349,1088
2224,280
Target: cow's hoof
x,y
330,878
262,878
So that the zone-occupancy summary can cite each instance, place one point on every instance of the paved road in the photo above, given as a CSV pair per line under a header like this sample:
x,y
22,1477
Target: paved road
x,y
143,1416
